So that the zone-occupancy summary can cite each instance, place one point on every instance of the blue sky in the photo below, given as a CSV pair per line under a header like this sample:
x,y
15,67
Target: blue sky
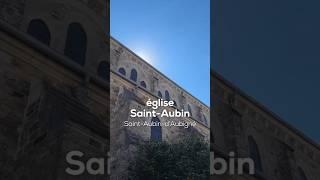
x,y
271,50
172,35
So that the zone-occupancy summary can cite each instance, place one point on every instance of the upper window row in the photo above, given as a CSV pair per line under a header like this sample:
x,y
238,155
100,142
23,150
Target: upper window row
x,y
76,41
75,44
133,76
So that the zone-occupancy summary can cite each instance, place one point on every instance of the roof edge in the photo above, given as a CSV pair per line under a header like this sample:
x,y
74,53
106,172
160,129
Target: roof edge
x,y
144,61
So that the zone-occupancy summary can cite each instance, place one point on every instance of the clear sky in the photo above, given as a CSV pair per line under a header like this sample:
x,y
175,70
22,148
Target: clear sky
x,y
172,35
271,50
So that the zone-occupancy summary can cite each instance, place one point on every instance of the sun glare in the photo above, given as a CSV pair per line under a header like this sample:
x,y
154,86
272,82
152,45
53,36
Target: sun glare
x,y
145,56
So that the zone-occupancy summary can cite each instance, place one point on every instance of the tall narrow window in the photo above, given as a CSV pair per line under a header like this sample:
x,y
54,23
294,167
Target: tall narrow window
x,y
40,31
254,153
122,71
160,94
143,84
76,43
156,131
167,95
134,75
189,109
103,70
301,174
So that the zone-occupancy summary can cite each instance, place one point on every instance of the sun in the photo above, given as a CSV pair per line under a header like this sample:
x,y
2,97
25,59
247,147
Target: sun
x,y
145,55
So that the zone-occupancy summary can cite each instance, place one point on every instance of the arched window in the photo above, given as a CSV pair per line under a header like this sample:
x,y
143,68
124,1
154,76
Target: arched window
x,y
143,84
189,109
122,71
134,75
254,153
156,131
103,70
301,174
76,43
40,31
205,119
159,94
167,95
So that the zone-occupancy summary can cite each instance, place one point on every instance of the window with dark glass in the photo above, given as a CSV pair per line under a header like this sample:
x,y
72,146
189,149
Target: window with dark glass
x,y
76,43
254,153
134,75
122,71
189,109
156,131
167,95
159,94
39,30
143,84
103,70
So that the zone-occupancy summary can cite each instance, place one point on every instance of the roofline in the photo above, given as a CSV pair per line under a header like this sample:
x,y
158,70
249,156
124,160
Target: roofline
x,y
144,61
265,109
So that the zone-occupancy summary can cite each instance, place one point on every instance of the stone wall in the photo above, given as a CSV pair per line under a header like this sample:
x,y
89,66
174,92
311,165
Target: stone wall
x,y
121,57
125,95
51,105
283,149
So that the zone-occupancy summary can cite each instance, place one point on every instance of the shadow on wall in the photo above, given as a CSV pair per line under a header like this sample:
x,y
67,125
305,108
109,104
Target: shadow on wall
x,y
54,74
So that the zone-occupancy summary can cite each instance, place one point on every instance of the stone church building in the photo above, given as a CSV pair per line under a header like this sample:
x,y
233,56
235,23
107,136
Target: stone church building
x,y
55,95
133,81
241,125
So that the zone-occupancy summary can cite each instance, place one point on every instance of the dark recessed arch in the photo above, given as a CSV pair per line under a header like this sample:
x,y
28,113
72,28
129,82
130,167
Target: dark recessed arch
x,y
76,43
255,153
143,84
134,75
122,71
39,30
167,95
189,109
160,94
156,130
103,70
